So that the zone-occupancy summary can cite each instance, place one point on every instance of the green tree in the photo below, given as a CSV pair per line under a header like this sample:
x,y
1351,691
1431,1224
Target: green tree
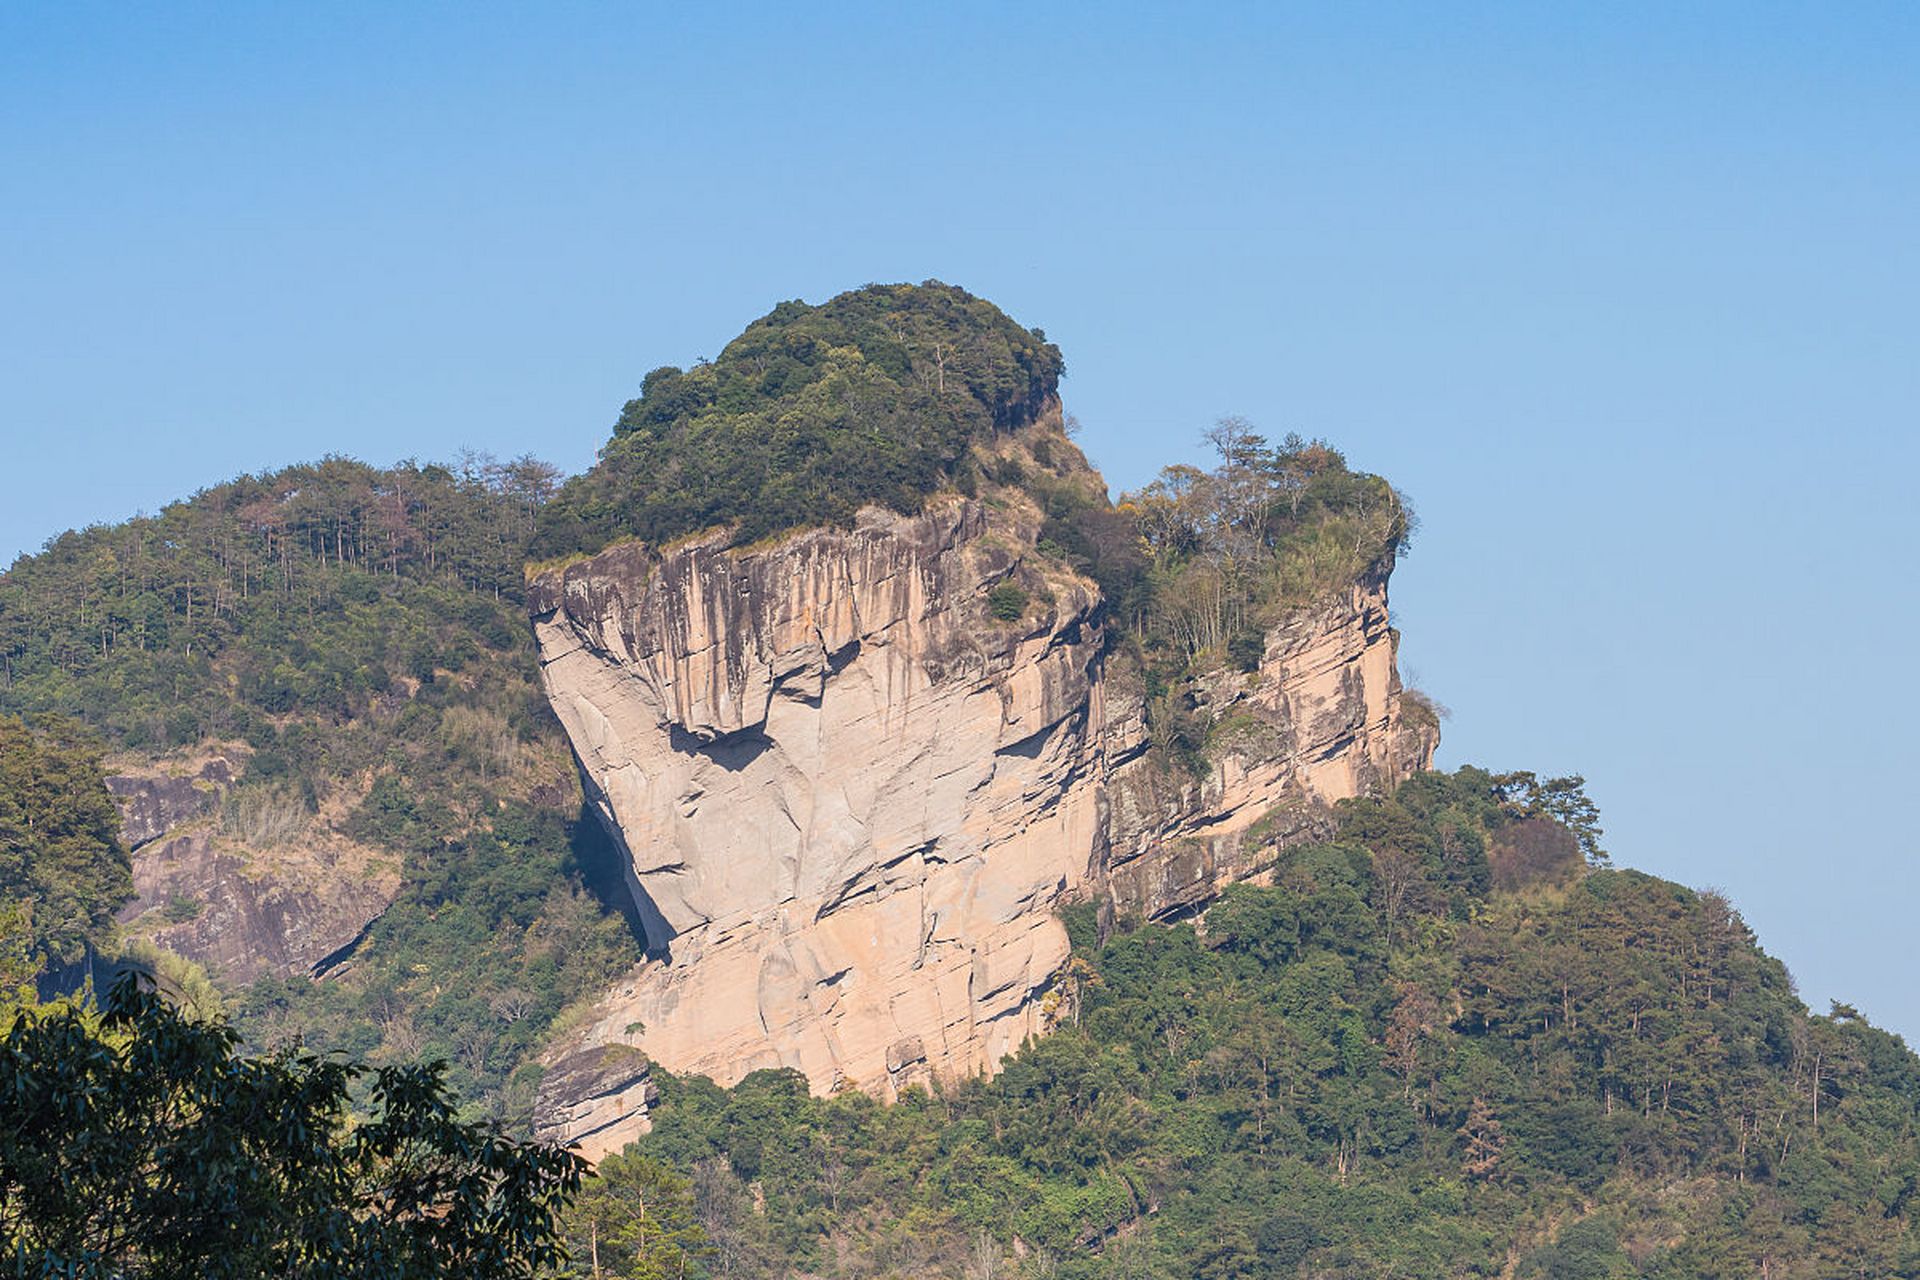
x,y
139,1143
634,1220
18,965
60,847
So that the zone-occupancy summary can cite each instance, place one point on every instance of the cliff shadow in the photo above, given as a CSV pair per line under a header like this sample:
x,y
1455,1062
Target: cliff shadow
x,y
604,871
731,751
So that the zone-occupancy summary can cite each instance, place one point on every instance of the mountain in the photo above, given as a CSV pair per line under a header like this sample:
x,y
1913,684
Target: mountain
x,y
929,864
855,794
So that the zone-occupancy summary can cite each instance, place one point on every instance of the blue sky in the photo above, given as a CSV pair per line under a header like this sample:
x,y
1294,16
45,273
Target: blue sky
x,y
1625,297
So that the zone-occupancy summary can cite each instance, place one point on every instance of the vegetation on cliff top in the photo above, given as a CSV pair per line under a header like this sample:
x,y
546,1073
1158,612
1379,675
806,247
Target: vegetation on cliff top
x,y
876,396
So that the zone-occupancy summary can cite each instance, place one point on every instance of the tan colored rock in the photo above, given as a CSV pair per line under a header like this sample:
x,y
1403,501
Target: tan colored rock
x,y
848,794
600,1096
852,800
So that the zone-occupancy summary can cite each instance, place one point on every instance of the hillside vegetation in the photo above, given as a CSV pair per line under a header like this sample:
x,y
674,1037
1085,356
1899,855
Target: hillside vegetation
x,y
1382,1065
63,869
357,637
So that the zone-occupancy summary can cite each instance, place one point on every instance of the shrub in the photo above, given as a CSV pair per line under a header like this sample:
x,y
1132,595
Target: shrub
x,y
1007,602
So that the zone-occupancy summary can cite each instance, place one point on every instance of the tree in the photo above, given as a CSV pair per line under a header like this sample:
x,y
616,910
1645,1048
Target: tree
x,y
60,845
1485,1144
634,1220
137,1143
18,967
1564,800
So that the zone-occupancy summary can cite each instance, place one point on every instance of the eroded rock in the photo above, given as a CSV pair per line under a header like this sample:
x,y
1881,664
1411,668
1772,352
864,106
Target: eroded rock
x,y
152,804
852,800
241,911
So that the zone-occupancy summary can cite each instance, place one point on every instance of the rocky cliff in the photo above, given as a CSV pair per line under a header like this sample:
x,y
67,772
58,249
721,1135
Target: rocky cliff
x,y
1322,718
852,791
241,908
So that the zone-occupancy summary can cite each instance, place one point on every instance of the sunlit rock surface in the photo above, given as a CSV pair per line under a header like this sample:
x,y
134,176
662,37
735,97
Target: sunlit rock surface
x,y
243,911
852,799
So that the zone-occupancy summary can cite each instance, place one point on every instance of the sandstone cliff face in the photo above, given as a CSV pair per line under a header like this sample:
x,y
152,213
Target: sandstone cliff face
x,y
849,794
852,799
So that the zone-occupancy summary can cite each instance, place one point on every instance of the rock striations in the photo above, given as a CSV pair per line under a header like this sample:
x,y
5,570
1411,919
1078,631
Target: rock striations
x,y
853,794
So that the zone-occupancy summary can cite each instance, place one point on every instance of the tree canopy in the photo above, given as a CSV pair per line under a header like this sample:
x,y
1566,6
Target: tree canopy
x,y
139,1143
875,396
62,867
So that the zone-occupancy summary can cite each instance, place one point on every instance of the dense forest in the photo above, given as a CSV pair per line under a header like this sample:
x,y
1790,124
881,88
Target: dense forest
x,y
63,868
318,589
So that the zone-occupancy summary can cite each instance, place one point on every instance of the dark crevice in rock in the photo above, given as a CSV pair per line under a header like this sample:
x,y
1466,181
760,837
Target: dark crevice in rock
x,y
331,962
607,872
732,752
838,659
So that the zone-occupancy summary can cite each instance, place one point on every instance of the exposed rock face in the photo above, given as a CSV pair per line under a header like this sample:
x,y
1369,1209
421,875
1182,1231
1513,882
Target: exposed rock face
x,y
152,804
598,1096
287,913
241,912
852,798
1320,720
848,793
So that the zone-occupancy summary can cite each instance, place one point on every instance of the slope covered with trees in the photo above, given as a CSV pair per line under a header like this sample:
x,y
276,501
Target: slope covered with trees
x,y
1444,1043
316,589
63,870
356,636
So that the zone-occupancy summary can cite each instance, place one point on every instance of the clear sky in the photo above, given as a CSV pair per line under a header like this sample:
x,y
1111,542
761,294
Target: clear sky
x,y
1625,297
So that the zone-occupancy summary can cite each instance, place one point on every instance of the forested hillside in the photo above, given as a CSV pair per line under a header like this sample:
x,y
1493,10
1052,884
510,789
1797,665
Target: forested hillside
x,y
1442,1044
63,868
318,589
356,637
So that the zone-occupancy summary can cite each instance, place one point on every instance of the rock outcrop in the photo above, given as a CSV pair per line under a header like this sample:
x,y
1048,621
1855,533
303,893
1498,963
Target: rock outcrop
x,y
853,790
242,911
1322,718
849,794
154,803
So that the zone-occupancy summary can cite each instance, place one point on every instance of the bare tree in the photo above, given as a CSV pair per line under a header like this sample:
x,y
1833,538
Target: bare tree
x,y
511,1005
1399,874
985,1257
